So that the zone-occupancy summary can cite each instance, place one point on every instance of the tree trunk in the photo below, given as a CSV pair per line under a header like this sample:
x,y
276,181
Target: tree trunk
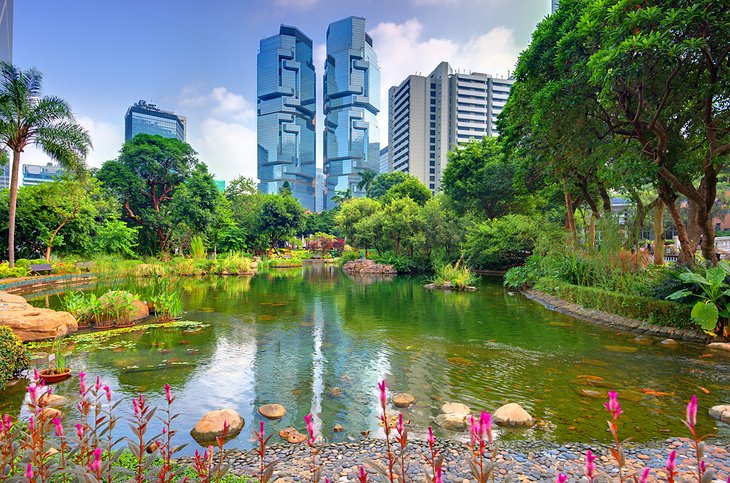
x,y
570,215
49,247
686,247
659,232
592,228
15,170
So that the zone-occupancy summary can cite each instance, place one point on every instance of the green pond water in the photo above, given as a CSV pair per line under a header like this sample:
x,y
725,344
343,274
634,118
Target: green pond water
x,y
318,341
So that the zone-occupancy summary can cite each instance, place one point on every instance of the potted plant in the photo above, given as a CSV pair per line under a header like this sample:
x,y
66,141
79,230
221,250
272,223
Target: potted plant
x,y
58,371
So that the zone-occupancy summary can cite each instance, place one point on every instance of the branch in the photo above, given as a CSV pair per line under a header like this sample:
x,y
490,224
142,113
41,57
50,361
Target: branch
x,y
667,90
689,192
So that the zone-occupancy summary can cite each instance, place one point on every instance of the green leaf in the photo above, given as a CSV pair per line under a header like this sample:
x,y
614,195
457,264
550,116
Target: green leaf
x,y
679,294
716,276
695,278
705,314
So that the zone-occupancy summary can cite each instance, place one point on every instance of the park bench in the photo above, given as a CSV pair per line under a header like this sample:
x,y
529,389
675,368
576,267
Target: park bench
x,y
40,267
84,266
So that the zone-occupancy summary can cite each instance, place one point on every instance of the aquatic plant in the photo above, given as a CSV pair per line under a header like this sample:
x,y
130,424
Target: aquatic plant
x,y
456,276
168,305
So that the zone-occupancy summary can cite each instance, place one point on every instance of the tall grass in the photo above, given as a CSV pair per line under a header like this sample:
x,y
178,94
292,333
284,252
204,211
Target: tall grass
x,y
457,276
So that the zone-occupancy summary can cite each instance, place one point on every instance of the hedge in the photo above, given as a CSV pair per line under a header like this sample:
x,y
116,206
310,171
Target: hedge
x,y
659,312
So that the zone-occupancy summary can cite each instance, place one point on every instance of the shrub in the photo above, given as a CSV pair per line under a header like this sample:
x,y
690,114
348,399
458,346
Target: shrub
x,y
197,248
502,243
659,312
348,256
234,263
13,355
456,275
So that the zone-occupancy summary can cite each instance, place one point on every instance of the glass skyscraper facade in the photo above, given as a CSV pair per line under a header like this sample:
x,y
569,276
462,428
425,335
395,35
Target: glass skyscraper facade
x,y
144,118
351,103
286,108
6,30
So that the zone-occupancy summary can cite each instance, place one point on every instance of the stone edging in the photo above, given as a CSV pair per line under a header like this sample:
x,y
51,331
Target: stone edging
x,y
557,304
16,285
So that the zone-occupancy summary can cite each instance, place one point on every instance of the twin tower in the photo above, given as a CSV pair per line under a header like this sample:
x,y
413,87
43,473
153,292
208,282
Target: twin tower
x,y
286,106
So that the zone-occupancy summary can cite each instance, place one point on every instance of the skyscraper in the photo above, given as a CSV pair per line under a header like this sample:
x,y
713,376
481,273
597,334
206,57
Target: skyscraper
x,y
6,31
286,106
35,174
431,115
144,118
553,5
351,105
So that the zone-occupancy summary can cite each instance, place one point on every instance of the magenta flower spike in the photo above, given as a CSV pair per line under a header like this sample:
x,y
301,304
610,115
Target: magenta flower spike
x,y
31,424
97,386
400,426
108,392
310,427
136,407
613,406
168,394
671,462
33,392
82,383
95,466
439,477
561,478
691,421
431,440
262,432
59,428
485,426
590,465
645,476
29,472
79,430
383,393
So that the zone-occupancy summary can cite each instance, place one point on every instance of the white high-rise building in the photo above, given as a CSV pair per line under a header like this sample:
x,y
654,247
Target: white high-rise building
x,y
431,115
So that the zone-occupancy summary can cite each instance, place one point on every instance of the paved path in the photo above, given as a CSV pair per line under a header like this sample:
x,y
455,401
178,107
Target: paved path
x,y
518,462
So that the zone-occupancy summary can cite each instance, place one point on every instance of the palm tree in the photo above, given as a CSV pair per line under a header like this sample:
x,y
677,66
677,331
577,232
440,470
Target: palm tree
x,y
27,117
366,179
341,196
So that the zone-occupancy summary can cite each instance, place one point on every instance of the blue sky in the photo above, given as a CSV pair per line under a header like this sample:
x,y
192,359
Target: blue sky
x,y
198,58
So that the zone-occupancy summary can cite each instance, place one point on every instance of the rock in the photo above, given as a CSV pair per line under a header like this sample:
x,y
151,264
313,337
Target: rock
x,y
719,345
363,265
512,414
295,437
669,342
335,392
139,312
210,426
31,323
338,428
449,408
52,400
452,421
590,393
721,413
403,400
272,411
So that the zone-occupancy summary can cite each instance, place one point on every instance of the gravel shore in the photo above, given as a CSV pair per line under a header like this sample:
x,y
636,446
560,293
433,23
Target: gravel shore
x,y
517,461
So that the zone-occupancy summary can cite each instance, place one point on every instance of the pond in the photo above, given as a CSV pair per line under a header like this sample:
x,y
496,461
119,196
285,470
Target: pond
x,y
316,340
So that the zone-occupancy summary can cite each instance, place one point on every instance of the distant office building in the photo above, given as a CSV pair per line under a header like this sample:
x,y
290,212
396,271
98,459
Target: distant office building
x,y
384,166
6,31
144,118
220,184
351,105
431,115
319,191
553,5
5,175
34,174
286,106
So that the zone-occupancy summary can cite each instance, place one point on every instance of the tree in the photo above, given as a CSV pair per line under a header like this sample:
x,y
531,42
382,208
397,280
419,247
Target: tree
x,y
383,182
366,179
280,217
411,188
241,186
144,178
351,212
29,118
401,223
117,238
341,196
478,178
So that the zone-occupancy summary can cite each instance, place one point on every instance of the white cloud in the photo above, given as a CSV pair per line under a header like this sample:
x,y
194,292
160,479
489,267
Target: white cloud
x,y
402,50
222,129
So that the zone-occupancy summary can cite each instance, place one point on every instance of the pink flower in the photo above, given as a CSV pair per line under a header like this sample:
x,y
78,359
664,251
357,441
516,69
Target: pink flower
x,y
485,426
590,465
82,383
57,423
703,467
7,422
439,477
31,424
645,476
383,393
29,472
97,386
108,393
362,477
671,462
691,421
136,407
561,478
399,426
261,430
225,426
79,430
36,377
95,466
613,406
431,440
33,391
310,427
168,394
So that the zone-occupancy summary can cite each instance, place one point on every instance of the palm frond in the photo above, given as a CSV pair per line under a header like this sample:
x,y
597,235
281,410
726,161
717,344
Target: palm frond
x,y
67,142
